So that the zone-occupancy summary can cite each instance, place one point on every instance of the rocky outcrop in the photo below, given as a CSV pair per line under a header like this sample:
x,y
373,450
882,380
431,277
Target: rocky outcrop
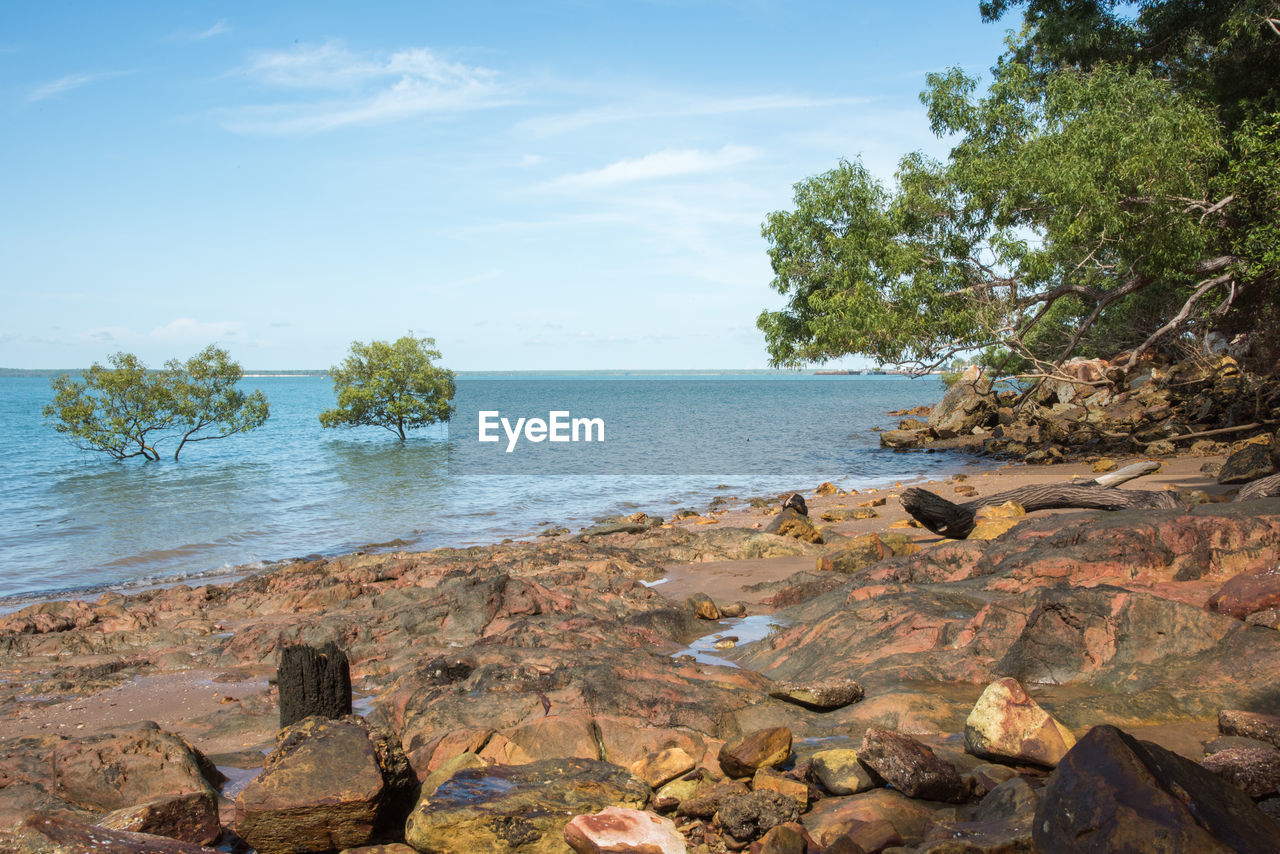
x,y
1112,792
966,405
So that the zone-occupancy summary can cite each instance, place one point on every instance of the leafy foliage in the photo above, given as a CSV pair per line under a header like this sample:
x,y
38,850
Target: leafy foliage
x,y
125,410
1094,200
391,385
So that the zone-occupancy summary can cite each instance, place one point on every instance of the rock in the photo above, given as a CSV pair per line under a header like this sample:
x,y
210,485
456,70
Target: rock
x,y
844,514
707,799
1267,618
1007,724
822,696
840,772
519,807
437,778
904,438
991,522
986,777
764,748
783,839
745,817
129,767
767,778
791,523
967,404
663,766
1014,798
857,553
1104,465
1248,592
1114,793
1250,725
46,834
389,848
911,767
733,610
192,817
618,830
832,818
702,606
1253,770
827,488
325,786
1251,462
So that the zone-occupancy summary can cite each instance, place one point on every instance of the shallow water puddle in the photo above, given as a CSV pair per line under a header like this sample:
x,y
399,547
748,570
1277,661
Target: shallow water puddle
x,y
743,629
237,779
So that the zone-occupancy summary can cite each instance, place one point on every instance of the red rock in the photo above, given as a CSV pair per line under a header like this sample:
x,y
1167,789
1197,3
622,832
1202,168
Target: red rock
x,y
1253,770
911,767
783,839
132,766
764,748
618,830
831,818
1114,793
192,817
52,835
1248,593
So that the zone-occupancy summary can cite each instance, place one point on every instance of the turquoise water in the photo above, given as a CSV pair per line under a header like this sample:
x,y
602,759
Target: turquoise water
x,y
71,519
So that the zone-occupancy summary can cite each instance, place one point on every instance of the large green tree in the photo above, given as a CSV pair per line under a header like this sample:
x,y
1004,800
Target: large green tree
x,y
1085,207
125,410
391,385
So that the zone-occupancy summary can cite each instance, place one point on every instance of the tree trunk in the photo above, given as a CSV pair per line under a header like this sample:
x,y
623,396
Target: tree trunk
x,y
313,682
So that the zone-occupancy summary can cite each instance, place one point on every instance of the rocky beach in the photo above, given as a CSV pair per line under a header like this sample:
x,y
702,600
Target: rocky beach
x,y
807,674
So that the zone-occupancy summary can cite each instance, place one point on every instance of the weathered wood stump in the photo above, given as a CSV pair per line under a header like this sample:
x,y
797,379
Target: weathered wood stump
x,y
313,682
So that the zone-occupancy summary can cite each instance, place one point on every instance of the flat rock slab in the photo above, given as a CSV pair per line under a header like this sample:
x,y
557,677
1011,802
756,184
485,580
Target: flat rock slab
x,y
1250,725
820,696
519,807
618,830
45,834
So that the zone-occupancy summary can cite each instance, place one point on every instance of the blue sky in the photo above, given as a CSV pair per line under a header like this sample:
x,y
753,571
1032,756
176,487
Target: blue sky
x,y
537,185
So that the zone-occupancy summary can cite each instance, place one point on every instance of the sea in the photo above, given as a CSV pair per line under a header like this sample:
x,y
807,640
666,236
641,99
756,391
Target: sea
x,y
72,520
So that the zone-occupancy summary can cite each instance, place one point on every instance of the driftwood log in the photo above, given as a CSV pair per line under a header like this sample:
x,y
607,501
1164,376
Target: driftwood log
x,y
948,519
313,682
956,521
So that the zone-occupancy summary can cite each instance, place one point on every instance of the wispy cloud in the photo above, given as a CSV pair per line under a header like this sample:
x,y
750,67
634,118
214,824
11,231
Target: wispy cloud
x,y
670,107
219,28
70,82
186,328
660,164
360,88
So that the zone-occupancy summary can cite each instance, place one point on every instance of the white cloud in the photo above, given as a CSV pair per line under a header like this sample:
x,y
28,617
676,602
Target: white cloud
x,y
667,106
68,83
217,29
188,329
364,88
661,164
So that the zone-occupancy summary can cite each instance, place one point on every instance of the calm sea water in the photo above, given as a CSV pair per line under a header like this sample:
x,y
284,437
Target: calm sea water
x,y
71,519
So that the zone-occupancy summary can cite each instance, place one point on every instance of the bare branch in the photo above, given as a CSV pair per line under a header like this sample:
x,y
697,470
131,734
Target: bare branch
x,y
1177,319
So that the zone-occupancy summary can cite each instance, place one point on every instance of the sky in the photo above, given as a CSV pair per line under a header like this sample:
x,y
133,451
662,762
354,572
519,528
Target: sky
x,y
552,185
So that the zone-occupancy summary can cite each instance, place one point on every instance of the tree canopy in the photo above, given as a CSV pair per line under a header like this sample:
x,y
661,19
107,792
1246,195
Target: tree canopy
x,y
391,385
1100,195
125,410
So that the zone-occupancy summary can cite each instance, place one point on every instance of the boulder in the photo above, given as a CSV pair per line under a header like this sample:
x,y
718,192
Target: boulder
x,y
1006,724
663,766
1250,725
1112,792
791,523
764,748
1253,770
840,772
329,784
911,767
821,696
702,606
1251,462
745,817
46,834
707,799
519,807
192,817
857,553
618,830
1248,592
832,818
904,438
138,764
967,404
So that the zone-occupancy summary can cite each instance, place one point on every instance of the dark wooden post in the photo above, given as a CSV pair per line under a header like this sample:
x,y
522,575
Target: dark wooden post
x,y
313,682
